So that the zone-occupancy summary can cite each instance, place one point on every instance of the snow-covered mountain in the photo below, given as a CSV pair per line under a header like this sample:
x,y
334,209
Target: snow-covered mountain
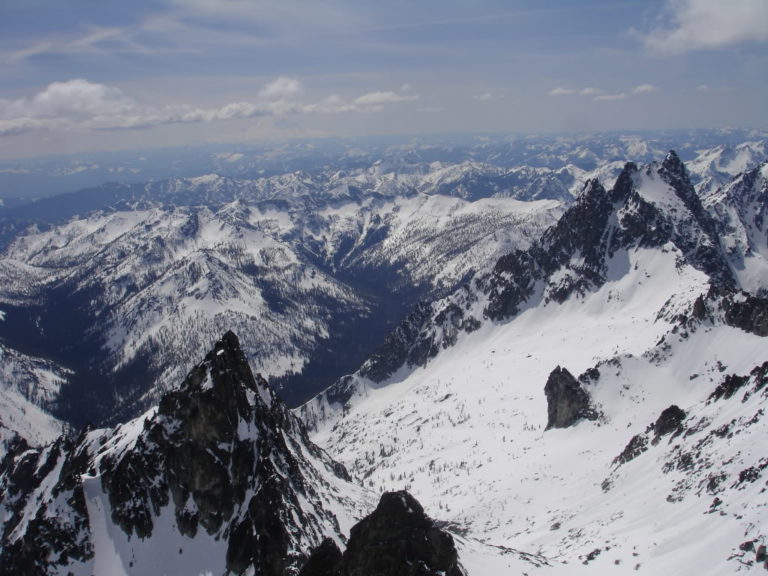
x,y
655,207
584,391
741,208
166,280
715,167
220,478
29,388
123,283
595,401
24,180
309,275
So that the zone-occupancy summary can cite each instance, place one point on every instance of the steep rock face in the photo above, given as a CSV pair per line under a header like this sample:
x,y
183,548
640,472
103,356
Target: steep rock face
x,y
670,421
567,401
737,309
397,539
741,210
221,456
45,520
646,208
654,207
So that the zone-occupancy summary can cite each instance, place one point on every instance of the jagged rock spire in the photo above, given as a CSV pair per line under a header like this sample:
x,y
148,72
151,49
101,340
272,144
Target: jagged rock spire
x,y
221,456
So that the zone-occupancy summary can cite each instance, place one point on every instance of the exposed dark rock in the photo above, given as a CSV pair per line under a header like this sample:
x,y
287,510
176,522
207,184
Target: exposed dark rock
x,y
325,560
747,546
670,420
762,553
749,313
728,387
61,534
636,446
737,309
732,383
581,229
567,401
408,344
396,539
222,450
590,376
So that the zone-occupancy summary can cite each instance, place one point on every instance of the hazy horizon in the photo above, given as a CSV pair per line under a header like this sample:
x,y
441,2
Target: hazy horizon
x,y
163,73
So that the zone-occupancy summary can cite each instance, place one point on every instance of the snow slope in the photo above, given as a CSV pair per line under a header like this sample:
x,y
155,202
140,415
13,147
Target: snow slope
x,y
27,386
464,427
466,433
149,288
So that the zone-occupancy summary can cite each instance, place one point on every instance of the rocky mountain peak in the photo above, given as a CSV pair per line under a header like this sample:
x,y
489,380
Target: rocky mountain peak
x,y
396,539
221,463
214,393
653,208
624,184
673,165
567,401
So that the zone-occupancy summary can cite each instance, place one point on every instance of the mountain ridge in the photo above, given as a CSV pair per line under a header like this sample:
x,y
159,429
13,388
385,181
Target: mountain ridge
x,y
220,466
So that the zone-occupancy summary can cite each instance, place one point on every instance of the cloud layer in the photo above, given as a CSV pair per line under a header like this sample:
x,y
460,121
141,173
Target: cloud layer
x,y
601,95
87,105
708,24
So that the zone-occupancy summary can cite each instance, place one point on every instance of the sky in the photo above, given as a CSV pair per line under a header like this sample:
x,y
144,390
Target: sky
x,y
87,75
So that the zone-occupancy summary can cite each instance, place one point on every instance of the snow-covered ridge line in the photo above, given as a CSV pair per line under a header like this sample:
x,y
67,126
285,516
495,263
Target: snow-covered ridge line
x,y
154,286
654,206
657,469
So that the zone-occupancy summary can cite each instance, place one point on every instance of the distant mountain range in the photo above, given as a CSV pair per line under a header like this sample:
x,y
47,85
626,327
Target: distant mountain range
x,y
564,364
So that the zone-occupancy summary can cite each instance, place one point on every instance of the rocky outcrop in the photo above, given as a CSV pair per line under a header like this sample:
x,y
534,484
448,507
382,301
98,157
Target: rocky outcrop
x,y
325,560
733,383
56,534
737,309
749,313
396,539
222,456
670,421
567,401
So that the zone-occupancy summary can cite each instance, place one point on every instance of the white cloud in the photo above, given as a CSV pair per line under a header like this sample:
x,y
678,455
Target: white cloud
x,y
76,98
378,98
599,94
645,89
707,24
487,96
588,91
561,92
282,87
333,104
618,96
15,126
83,105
